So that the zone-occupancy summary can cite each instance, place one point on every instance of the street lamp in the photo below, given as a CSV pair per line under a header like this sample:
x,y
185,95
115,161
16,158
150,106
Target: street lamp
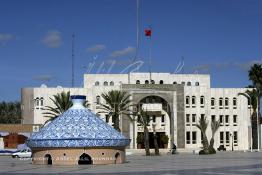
x,y
232,135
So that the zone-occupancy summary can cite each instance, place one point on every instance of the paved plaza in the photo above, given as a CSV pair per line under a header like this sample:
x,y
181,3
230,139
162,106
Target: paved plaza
x,y
230,163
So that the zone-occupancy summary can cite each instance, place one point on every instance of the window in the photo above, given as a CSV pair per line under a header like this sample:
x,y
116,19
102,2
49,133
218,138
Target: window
x,y
227,138
187,119
221,120
105,83
212,103
37,102
154,119
107,118
187,101
189,83
234,103
41,101
197,84
96,83
137,82
183,83
220,103
174,82
227,120
235,138
152,81
194,137
162,120
235,120
98,99
193,101
202,116
221,138
161,82
226,103
193,119
202,101
146,82
188,137
213,118
111,83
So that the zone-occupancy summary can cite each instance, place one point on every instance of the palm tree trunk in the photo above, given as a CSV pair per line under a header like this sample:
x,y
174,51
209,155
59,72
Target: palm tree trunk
x,y
116,123
156,145
205,143
146,141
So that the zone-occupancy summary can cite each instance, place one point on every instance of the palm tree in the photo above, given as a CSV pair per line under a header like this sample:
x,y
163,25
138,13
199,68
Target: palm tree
x,y
62,102
143,120
253,96
255,75
214,127
202,125
117,104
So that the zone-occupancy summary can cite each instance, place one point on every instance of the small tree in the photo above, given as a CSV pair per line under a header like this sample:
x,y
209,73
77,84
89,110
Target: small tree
x,y
214,127
202,125
143,120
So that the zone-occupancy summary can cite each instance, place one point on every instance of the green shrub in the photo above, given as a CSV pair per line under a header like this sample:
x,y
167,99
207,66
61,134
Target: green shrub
x,y
140,138
164,139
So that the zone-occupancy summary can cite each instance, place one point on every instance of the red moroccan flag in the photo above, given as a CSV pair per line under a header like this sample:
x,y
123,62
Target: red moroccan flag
x,y
148,32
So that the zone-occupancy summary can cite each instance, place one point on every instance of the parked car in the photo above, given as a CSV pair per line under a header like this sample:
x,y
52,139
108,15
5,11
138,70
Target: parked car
x,y
23,153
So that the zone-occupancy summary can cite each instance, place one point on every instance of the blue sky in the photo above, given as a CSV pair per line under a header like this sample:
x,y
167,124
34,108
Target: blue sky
x,y
222,38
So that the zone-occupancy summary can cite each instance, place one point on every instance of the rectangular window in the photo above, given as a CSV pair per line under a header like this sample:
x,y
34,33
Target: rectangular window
x,y
227,120
194,137
193,101
163,119
234,103
221,120
221,138
220,103
235,120
188,137
213,118
193,119
187,119
107,118
187,101
212,103
154,119
202,116
227,138
235,138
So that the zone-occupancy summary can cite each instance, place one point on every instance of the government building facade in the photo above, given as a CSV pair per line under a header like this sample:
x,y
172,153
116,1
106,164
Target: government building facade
x,y
174,103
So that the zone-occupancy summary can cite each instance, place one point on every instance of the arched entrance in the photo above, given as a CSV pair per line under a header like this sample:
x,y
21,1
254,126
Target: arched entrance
x,y
85,159
117,158
48,159
159,120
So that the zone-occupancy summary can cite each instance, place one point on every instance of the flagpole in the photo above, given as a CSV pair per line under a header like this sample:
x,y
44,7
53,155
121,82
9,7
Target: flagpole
x,y
150,60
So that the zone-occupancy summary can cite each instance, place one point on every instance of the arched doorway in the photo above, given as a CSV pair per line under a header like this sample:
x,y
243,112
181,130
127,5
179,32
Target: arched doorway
x,y
117,158
48,159
85,159
159,118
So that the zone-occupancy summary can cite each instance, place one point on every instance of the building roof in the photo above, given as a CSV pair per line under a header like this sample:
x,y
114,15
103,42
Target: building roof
x,y
77,127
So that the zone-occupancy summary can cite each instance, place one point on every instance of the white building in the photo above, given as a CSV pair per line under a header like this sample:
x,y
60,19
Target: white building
x,y
174,101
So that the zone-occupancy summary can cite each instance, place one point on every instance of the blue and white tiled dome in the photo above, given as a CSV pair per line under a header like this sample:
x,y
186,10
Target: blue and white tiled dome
x,y
77,127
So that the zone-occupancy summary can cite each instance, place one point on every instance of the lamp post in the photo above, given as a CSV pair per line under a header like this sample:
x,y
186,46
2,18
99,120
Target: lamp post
x,y
232,135
258,137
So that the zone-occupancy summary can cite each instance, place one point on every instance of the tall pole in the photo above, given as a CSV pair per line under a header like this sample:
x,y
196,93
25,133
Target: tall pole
x,y
150,60
251,124
73,70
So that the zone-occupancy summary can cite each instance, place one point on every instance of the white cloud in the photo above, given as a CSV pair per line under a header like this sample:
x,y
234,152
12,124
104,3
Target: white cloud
x,y
52,39
96,48
5,37
125,51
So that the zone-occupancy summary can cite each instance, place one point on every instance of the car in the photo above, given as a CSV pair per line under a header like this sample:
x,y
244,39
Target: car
x,y
22,154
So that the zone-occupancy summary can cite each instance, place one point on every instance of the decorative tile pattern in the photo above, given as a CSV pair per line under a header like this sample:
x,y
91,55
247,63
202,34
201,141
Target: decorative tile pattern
x,y
77,128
